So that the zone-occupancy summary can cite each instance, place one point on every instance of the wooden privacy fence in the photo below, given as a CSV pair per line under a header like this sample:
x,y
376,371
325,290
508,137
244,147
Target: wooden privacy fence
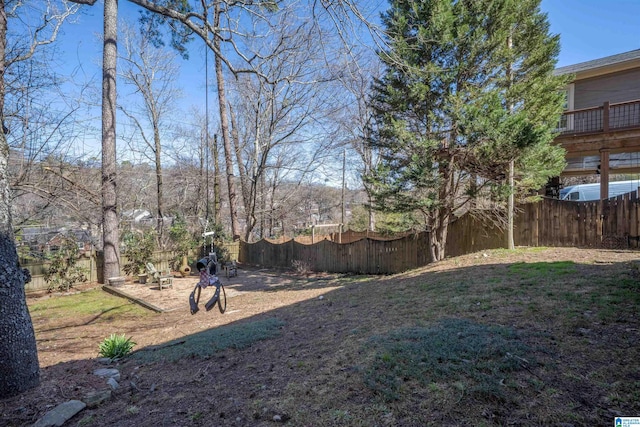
x,y
367,252
364,256
344,237
612,223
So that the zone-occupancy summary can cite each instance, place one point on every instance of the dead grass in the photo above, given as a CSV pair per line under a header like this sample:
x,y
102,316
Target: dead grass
x,y
525,337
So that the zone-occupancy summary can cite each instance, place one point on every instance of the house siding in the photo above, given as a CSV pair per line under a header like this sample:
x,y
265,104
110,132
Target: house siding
x,y
617,87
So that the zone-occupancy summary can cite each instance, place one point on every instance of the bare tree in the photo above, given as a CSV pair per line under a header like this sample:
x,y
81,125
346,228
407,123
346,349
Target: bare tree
x,y
228,29
152,72
48,174
283,116
355,120
193,182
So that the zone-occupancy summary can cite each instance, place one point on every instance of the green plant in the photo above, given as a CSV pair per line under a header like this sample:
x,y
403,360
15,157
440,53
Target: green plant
x,y
63,272
197,416
138,249
182,239
86,420
116,346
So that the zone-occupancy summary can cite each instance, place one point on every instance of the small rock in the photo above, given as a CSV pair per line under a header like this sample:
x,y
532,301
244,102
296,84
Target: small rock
x,y
113,383
104,360
321,297
108,373
94,399
277,418
60,414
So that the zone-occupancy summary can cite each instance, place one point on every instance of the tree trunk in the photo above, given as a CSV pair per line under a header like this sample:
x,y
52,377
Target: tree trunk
x,y
19,368
216,181
440,227
158,152
226,138
263,204
372,214
249,207
110,237
239,160
438,239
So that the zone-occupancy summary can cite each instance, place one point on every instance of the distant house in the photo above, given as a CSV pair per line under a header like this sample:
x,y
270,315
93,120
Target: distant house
x,y
600,129
138,216
81,237
40,241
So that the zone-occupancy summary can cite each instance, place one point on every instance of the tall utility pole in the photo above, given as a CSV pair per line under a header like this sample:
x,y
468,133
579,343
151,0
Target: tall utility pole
x,y
344,166
216,181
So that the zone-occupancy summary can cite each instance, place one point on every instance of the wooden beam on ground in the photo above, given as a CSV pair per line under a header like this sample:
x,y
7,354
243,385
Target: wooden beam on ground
x,y
143,303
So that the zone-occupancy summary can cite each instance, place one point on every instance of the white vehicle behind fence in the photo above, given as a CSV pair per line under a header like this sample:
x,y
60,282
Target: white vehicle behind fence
x,y
588,192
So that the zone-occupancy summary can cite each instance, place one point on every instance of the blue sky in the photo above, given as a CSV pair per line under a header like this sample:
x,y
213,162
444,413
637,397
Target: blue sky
x,y
591,29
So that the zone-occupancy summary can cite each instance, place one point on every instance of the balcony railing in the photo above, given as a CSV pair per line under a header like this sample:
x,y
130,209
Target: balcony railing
x,y
608,117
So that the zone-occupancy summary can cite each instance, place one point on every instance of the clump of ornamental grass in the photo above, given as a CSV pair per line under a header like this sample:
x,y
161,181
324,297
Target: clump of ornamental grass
x,y
116,347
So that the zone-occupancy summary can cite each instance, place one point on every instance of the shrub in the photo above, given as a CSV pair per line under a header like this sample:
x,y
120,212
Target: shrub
x,y
116,347
301,267
182,240
63,272
138,248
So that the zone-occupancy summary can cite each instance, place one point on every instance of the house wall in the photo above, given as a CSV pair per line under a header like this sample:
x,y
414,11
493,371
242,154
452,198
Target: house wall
x,y
616,87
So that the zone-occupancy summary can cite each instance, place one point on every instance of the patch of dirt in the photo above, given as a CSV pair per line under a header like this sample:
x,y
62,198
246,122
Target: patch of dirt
x,y
242,387
250,293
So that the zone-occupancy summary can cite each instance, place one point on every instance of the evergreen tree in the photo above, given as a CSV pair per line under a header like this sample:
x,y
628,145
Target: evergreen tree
x,y
468,88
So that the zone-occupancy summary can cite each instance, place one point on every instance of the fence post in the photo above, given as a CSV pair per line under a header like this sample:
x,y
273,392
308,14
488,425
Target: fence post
x,y
605,117
604,174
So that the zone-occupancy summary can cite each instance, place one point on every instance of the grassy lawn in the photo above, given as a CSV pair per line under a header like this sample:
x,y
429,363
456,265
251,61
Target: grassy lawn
x,y
90,304
517,338
524,343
